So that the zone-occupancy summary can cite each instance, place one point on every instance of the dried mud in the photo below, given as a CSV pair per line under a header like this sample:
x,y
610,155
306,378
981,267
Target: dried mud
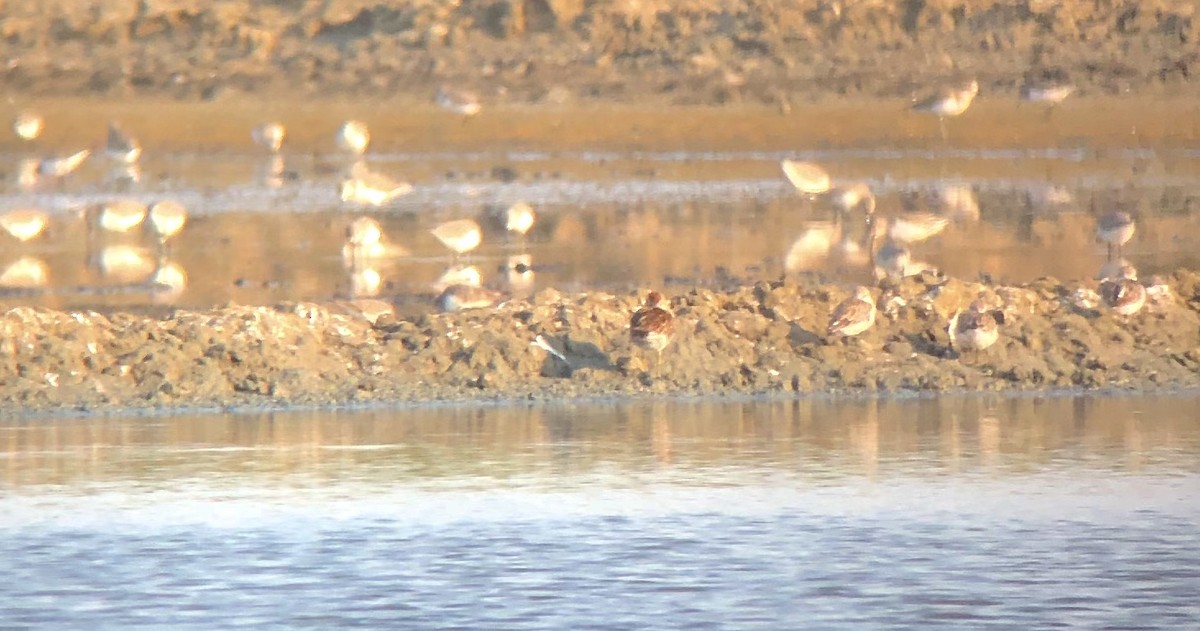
x,y
763,338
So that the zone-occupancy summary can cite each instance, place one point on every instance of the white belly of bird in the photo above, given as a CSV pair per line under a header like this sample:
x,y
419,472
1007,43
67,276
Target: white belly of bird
x,y
976,339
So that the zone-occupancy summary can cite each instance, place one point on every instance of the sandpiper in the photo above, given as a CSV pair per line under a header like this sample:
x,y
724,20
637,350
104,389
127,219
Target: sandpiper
x,y
24,224
975,329
809,178
912,227
28,125
1049,91
951,101
167,217
270,135
519,218
460,235
1125,296
651,326
353,137
1115,229
121,146
463,297
367,187
458,101
33,171
458,275
892,260
853,315
121,215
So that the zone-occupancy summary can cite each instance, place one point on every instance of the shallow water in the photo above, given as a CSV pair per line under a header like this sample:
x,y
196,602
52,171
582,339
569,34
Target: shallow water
x,y
952,513
611,218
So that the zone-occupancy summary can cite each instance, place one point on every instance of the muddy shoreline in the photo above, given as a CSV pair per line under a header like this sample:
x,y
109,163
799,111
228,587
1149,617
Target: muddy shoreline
x,y
761,339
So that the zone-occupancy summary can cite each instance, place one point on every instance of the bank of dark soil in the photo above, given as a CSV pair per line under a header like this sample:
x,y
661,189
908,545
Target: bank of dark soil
x,y
696,51
754,339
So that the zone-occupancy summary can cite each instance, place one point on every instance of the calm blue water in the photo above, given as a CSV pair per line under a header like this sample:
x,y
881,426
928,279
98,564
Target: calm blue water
x,y
962,513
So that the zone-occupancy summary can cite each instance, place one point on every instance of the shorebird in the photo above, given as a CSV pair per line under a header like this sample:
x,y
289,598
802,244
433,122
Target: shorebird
x,y
853,315
33,171
458,101
892,260
852,197
24,224
1115,229
1125,296
975,329
1048,91
951,101
651,326
121,146
463,297
912,227
28,125
353,137
367,187
270,135
364,242
460,235
121,215
167,217
809,178
519,218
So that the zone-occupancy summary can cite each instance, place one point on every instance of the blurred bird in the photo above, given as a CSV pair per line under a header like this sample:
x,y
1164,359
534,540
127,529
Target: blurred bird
x,y
367,187
652,326
853,315
949,101
458,101
28,125
270,135
353,137
809,178
975,329
121,146
1115,229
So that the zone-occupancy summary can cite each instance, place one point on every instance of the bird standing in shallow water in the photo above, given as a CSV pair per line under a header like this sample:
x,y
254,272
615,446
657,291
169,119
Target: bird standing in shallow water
x,y
270,135
948,102
854,315
1115,229
121,146
652,327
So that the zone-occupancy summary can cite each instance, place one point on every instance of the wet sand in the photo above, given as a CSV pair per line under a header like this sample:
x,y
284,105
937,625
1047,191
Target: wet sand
x,y
761,339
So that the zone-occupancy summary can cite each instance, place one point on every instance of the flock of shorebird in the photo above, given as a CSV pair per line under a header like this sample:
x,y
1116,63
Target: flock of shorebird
x,y
652,326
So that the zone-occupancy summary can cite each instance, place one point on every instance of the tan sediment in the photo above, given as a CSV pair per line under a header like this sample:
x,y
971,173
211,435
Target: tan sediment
x,y
760,339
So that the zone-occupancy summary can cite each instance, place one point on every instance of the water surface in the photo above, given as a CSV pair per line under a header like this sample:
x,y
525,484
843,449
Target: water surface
x,y
954,513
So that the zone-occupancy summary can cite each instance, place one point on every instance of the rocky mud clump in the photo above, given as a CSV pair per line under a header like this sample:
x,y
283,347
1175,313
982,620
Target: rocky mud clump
x,y
767,338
